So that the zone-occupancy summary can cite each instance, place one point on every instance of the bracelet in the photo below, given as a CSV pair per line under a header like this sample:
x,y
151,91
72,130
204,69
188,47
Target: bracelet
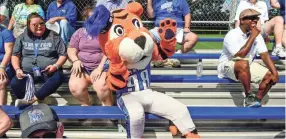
x,y
75,60
56,66
2,67
17,69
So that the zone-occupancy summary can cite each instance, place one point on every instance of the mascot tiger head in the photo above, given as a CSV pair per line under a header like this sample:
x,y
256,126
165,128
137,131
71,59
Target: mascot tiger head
x,y
121,33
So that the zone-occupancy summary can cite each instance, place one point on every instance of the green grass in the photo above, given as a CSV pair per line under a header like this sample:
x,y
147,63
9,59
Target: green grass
x,y
214,45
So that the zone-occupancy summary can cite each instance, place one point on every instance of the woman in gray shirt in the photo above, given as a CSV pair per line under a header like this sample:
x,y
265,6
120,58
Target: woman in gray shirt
x,y
41,53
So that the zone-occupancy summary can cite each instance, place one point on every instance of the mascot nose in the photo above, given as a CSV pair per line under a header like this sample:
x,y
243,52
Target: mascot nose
x,y
141,40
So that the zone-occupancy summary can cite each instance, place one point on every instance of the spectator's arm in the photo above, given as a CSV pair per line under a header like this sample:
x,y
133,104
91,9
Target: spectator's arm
x,y
246,48
8,46
187,20
72,54
48,13
275,4
17,53
71,13
62,52
8,53
150,10
11,23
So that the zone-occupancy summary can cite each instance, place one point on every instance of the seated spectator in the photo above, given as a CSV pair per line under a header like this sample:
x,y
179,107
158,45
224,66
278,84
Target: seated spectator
x,y
4,16
280,4
40,53
64,13
6,71
40,121
18,21
112,5
5,123
88,61
266,26
179,11
236,61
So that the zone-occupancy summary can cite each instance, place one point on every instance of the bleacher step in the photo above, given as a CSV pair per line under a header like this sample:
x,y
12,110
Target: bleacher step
x,y
163,135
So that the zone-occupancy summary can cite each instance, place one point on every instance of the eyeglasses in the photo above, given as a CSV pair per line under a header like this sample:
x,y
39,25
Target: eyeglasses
x,y
250,18
44,134
40,24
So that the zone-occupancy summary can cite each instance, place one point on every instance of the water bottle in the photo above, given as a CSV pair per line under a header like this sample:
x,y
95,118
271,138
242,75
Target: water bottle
x,y
199,68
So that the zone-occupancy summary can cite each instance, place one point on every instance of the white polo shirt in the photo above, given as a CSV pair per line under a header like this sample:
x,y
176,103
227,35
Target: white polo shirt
x,y
234,40
259,6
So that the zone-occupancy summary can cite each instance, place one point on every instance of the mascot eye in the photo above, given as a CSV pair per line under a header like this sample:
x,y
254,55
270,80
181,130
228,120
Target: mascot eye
x,y
136,23
118,29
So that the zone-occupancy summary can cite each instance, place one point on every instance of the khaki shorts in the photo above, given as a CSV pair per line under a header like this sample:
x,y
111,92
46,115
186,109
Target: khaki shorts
x,y
257,71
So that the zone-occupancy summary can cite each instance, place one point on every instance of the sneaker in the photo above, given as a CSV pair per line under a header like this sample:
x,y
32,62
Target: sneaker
x,y
158,64
251,101
20,102
279,51
175,63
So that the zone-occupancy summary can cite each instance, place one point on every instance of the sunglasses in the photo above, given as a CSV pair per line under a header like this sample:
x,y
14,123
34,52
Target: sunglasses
x,y
40,24
250,18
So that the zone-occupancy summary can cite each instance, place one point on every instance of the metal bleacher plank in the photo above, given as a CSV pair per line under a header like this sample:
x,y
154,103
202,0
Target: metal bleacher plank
x,y
195,79
210,56
101,112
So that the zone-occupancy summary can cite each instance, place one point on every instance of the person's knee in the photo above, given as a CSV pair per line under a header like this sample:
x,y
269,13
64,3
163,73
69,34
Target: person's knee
x,y
242,66
3,84
137,117
7,122
77,88
278,20
64,23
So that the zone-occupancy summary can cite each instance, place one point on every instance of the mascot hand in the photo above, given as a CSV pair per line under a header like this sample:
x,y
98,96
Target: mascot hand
x,y
117,76
167,31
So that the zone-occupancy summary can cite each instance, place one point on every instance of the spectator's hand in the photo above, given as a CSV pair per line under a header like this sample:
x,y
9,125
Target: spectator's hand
x,y
3,74
50,69
76,67
187,30
96,73
254,32
52,20
19,74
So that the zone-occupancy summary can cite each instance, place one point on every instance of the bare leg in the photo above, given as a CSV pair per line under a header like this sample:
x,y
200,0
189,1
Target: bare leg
x,y
190,41
102,90
3,92
78,88
242,73
264,86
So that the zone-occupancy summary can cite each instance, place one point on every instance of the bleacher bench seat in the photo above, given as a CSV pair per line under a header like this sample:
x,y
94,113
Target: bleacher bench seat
x,y
113,112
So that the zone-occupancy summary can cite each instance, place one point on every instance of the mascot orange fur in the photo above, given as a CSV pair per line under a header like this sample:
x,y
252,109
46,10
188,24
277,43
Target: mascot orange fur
x,y
130,48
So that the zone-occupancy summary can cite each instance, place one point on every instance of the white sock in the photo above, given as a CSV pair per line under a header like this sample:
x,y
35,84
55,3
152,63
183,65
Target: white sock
x,y
179,51
278,45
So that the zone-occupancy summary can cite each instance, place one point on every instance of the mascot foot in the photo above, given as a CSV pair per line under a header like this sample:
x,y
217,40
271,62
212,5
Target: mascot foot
x,y
167,30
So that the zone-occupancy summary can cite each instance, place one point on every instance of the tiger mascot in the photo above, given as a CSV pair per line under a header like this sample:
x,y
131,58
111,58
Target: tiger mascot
x,y
130,48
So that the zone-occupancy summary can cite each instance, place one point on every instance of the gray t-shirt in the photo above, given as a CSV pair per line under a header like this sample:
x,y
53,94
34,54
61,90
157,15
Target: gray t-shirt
x,y
50,48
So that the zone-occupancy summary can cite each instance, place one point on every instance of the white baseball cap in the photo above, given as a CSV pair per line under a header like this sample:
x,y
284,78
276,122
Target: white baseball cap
x,y
4,11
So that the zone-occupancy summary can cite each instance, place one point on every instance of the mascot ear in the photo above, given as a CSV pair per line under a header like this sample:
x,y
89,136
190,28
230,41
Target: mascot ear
x,y
135,8
98,21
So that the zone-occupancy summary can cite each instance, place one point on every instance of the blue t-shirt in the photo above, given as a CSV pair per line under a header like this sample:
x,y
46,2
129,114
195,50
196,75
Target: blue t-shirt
x,y
174,9
282,8
6,36
67,10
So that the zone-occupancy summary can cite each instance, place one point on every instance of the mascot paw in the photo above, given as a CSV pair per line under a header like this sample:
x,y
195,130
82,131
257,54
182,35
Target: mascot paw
x,y
167,30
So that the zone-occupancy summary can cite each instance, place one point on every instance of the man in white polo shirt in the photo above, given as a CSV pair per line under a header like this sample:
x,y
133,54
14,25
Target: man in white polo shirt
x,y
266,26
236,61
